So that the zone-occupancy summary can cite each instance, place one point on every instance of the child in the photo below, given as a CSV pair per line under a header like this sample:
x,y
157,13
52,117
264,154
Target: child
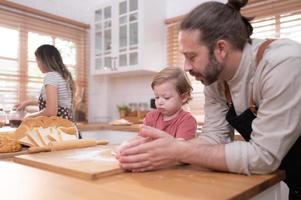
x,y
58,89
172,90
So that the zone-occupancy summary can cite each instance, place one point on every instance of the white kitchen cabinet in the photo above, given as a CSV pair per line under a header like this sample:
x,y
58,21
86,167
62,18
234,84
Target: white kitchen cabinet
x,y
130,37
103,38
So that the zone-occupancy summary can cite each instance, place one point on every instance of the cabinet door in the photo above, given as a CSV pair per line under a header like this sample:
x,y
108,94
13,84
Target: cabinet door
x,y
103,38
128,33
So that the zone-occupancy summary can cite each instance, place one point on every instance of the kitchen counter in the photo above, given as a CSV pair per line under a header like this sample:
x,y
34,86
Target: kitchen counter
x,y
94,126
184,182
90,127
105,126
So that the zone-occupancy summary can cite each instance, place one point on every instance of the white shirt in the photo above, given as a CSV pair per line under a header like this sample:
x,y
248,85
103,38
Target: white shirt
x,y
63,91
276,90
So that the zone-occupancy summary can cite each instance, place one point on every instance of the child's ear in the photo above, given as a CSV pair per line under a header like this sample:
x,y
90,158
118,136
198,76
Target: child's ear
x,y
184,98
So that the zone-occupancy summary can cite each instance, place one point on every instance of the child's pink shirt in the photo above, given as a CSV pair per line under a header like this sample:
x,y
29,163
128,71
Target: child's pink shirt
x,y
182,126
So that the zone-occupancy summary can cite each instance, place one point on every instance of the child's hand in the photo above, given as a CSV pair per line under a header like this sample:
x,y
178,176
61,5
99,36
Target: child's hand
x,y
129,143
116,152
156,150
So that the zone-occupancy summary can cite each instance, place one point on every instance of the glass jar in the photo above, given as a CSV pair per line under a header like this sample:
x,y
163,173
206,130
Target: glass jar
x,y
2,118
15,118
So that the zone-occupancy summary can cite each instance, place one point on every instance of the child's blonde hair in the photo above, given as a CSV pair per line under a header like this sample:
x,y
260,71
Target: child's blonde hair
x,y
178,76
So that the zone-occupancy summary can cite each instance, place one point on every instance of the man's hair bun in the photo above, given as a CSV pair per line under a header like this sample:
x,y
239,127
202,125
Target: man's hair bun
x,y
237,4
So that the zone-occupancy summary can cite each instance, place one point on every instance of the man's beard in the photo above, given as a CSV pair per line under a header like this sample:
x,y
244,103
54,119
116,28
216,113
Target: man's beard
x,y
211,72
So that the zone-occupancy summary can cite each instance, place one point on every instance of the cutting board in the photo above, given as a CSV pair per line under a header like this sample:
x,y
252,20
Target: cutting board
x,y
12,154
87,163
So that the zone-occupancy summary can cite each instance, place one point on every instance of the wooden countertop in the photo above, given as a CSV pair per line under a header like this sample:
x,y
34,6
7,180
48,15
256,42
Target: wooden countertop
x,y
23,182
90,127
104,126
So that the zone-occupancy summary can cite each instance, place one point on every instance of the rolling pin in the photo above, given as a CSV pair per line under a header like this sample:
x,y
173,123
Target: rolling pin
x,y
68,144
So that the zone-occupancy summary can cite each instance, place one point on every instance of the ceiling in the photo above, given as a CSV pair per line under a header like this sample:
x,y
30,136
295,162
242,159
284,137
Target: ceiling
x,y
78,10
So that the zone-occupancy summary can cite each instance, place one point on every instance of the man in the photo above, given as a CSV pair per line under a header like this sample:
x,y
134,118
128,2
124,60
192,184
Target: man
x,y
251,86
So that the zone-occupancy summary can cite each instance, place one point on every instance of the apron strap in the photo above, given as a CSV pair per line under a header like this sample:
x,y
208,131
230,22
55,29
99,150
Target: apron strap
x,y
259,55
261,50
228,94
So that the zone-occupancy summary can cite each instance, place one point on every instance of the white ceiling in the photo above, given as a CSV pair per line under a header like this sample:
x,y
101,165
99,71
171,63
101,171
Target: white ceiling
x,y
83,10
80,10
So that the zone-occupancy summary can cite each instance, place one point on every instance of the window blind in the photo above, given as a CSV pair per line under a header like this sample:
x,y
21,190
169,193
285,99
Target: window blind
x,y
273,19
21,33
176,59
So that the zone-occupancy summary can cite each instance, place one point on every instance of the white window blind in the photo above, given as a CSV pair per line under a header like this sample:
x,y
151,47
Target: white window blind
x,y
275,19
286,25
176,59
9,64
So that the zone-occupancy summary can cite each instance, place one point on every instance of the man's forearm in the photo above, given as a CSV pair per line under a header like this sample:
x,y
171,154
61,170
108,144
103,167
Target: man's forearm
x,y
198,152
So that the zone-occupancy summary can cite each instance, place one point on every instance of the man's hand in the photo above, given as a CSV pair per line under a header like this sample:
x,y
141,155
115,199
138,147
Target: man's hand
x,y
156,149
130,143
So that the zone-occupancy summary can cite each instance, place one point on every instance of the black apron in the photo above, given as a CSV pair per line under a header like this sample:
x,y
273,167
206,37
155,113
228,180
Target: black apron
x,y
291,163
62,112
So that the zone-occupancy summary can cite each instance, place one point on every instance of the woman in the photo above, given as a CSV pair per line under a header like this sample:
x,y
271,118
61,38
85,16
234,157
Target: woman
x,y
57,93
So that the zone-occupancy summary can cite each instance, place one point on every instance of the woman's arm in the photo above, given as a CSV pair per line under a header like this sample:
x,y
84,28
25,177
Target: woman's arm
x,y
23,104
51,103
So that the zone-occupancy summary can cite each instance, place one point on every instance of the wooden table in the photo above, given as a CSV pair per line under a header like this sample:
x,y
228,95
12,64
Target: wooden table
x,y
185,182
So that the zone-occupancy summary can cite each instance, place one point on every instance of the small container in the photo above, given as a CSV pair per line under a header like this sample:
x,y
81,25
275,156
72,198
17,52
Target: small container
x,y
15,118
2,118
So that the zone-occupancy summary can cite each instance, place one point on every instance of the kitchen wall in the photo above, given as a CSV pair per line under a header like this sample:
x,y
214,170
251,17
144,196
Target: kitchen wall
x,y
136,89
105,93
